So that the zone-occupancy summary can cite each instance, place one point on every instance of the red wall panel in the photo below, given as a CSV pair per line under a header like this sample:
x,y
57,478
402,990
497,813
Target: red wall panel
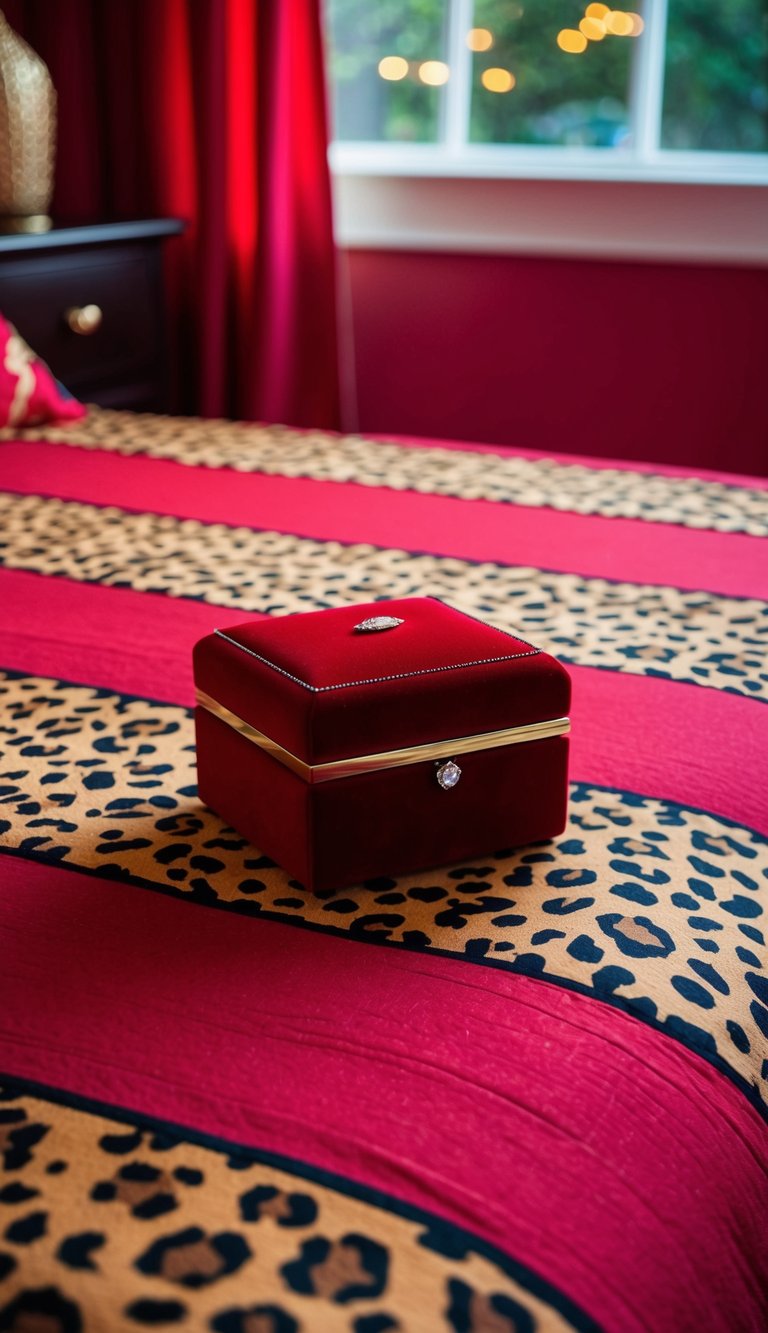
x,y
666,362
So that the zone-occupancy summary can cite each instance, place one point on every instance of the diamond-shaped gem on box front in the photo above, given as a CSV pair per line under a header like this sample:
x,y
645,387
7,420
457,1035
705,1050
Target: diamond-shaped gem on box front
x,y
448,775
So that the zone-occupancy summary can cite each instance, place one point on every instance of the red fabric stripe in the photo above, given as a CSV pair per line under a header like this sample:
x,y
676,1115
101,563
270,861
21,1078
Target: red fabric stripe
x,y
405,1073
614,548
657,737
671,740
133,642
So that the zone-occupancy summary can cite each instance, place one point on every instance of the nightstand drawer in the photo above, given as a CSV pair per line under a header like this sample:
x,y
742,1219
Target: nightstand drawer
x,y
38,292
117,355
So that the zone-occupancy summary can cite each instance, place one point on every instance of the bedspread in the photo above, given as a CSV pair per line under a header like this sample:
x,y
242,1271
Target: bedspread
x,y
526,1092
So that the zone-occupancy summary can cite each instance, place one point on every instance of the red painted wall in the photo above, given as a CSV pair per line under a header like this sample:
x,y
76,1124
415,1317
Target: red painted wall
x,y
666,362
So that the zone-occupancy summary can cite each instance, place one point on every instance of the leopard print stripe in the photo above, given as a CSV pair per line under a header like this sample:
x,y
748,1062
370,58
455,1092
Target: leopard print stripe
x,y
109,1225
648,630
535,483
643,903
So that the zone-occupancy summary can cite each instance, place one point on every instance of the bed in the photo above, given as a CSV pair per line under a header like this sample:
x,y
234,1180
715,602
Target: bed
x,y
526,1092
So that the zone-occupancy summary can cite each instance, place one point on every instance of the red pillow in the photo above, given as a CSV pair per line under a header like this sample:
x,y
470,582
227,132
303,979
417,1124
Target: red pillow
x,y
29,394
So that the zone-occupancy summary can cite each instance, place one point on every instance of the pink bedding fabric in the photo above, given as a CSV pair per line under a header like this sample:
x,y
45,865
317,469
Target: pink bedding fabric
x,y
595,1151
560,1054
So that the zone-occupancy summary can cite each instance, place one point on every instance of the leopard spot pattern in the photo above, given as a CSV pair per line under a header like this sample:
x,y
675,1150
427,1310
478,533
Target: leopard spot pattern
x,y
643,903
226,1260
642,629
323,456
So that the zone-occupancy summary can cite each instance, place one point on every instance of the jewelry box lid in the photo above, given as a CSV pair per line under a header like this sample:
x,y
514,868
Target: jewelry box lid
x,y
354,680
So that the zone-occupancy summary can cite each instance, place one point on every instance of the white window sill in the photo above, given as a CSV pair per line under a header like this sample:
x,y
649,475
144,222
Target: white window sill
x,y
524,162
686,207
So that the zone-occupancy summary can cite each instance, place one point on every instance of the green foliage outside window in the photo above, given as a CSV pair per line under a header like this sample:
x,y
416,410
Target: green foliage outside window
x,y
558,98
361,33
716,84
716,75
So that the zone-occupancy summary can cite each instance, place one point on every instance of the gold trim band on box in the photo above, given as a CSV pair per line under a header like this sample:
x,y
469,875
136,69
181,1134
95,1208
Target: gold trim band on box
x,y
372,763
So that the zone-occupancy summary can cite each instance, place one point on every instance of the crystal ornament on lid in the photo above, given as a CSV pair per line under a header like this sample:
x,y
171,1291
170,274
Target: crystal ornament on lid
x,y
375,623
333,747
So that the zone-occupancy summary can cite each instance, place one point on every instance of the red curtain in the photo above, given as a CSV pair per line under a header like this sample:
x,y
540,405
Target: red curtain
x,y
213,111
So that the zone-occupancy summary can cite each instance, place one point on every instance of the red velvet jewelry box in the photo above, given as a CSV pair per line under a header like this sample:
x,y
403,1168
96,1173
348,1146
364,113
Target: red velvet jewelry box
x,y
380,739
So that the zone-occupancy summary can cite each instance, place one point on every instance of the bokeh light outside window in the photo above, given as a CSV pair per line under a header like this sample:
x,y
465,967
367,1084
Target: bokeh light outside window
x,y
374,97
578,97
554,73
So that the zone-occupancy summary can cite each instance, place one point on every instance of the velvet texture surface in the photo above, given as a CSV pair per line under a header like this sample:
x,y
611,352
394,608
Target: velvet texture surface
x,y
379,824
327,691
439,675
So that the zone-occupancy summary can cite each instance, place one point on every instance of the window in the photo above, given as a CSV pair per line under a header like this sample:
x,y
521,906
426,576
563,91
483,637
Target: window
x,y
677,90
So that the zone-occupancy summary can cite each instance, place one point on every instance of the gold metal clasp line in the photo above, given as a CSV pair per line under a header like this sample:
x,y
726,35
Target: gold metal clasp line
x,y
373,763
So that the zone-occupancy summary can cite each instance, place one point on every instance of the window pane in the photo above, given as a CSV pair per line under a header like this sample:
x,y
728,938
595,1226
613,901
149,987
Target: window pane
x,y
556,96
716,86
387,66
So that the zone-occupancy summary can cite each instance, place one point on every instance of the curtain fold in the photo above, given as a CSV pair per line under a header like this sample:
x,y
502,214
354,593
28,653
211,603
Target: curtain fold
x,y
213,111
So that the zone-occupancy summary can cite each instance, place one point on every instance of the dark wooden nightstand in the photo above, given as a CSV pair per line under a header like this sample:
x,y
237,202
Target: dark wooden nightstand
x,y
89,301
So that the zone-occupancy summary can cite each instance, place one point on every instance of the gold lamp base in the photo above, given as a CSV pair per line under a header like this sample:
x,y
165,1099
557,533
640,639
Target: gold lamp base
x,y
27,136
18,226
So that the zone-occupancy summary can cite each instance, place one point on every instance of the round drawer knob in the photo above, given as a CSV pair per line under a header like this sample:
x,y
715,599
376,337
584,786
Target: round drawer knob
x,y
83,319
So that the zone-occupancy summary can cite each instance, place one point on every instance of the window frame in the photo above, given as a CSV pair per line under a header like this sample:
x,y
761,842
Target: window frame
x,y
454,195
533,162
642,221
453,154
